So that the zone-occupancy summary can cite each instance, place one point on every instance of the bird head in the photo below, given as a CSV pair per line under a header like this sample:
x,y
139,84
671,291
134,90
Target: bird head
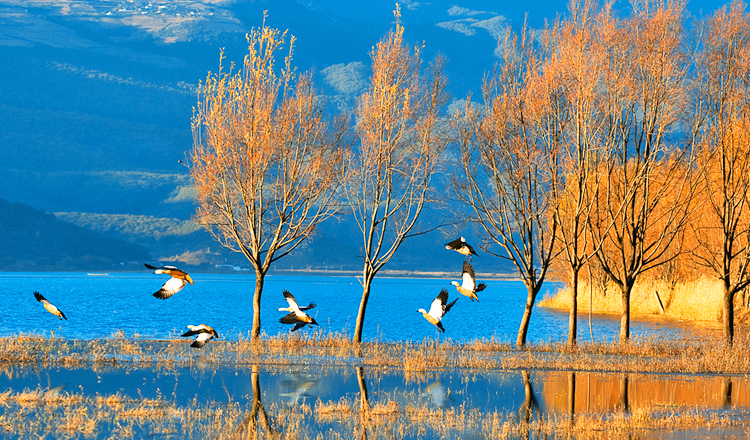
x,y
455,283
422,311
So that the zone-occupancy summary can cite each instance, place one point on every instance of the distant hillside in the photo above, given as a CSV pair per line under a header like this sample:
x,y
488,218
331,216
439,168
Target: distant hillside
x,y
32,239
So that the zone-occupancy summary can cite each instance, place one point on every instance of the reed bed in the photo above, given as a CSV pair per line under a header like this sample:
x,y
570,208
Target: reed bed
x,y
658,356
35,412
70,414
694,301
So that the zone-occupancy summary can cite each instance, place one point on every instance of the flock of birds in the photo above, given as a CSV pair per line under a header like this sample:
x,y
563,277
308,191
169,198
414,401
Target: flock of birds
x,y
297,316
467,287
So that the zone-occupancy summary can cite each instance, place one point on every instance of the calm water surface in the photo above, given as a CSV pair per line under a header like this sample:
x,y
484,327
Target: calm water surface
x,y
97,306
302,390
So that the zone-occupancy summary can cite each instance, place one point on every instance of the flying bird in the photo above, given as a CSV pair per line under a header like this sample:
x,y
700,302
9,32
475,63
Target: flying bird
x,y
173,285
438,309
461,246
50,308
297,316
468,286
204,332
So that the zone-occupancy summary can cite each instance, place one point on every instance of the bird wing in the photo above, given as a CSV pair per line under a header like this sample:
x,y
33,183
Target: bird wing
x,y
148,266
454,245
292,302
289,319
39,297
201,340
204,336
198,344
448,306
310,306
440,326
169,288
298,326
438,304
480,287
467,281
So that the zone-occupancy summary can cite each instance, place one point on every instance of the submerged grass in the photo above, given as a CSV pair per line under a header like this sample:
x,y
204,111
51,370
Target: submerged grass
x,y
650,355
42,411
35,412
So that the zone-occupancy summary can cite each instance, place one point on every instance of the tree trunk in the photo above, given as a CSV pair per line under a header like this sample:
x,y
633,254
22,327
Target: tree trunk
x,y
573,318
625,318
523,330
359,324
259,279
728,314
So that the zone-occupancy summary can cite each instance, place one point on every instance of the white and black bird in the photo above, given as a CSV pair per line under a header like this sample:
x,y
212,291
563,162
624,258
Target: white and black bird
x,y
50,308
438,309
297,316
204,332
468,286
461,246
179,280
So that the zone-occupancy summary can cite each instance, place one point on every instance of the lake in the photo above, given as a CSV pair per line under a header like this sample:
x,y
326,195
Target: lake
x,y
98,306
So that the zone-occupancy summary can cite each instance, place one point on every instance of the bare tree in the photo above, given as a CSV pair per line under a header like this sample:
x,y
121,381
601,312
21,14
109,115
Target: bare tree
x,y
505,148
401,139
641,213
266,166
723,98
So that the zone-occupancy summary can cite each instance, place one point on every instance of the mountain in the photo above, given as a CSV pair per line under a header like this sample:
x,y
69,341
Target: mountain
x,y
31,239
97,98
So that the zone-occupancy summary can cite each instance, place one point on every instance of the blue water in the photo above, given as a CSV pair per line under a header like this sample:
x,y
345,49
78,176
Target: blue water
x,y
99,306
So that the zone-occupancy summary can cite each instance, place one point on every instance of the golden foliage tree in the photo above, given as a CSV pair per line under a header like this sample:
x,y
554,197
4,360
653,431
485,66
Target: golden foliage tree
x,y
401,139
266,165
576,58
641,212
723,98
505,148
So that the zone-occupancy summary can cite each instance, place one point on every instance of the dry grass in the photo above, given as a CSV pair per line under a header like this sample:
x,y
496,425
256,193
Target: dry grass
x,y
661,356
36,412
699,300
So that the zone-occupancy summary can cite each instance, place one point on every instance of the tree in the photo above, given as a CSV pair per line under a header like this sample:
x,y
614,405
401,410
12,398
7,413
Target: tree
x,y
266,166
577,59
641,212
504,151
401,139
723,98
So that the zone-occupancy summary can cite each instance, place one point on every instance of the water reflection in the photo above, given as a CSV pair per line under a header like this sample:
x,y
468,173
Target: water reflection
x,y
362,401
613,392
250,426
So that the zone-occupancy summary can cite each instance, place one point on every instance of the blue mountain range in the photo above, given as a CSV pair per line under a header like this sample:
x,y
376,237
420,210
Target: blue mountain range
x,y
97,98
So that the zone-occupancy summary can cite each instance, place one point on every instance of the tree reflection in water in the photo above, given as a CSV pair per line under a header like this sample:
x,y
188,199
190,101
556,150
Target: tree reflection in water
x,y
248,429
364,404
530,405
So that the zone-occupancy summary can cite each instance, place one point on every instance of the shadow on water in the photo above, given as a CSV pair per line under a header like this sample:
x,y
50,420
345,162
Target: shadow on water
x,y
334,402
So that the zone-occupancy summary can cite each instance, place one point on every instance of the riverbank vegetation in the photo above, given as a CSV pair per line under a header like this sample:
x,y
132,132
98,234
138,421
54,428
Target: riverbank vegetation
x,y
696,356
122,415
32,412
